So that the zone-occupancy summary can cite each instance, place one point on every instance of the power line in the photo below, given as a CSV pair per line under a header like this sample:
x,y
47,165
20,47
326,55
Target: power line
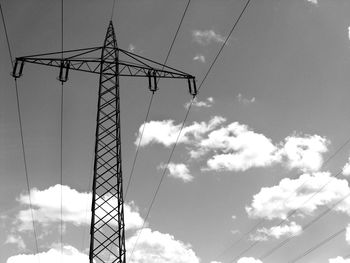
x,y
151,100
138,145
224,44
61,130
22,137
318,245
264,220
304,227
184,122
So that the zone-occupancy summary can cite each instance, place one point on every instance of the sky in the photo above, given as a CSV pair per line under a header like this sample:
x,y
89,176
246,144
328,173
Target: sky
x,y
265,143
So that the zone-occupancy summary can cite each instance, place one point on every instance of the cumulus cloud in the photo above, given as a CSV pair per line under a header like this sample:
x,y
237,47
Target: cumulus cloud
x,y
201,104
200,58
240,148
236,147
244,100
339,260
131,48
69,255
315,2
179,171
249,260
206,37
300,194
16,240
346,168
166,132
154,246
76,208
277,232
304,153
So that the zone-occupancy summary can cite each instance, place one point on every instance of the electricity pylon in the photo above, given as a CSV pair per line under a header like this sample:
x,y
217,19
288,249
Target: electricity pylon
x,y
109,62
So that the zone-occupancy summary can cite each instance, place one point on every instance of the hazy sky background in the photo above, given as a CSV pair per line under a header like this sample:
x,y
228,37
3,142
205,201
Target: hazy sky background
x,y
275,106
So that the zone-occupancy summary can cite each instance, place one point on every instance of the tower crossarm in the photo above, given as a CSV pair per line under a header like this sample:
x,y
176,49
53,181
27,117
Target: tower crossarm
x,y
87,60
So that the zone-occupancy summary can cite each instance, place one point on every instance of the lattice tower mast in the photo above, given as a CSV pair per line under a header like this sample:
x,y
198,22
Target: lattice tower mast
x,y
107,241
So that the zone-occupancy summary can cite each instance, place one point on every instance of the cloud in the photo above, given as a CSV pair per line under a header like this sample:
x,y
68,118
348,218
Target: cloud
x,y
201,104
277,232
346,168
166,132
315,2
245,101
17,240
277,201
236,147
200,58
154,246
339,260
131,48
347,237
240,149
76,208
206,37
305,153
179,171
249,260
69,255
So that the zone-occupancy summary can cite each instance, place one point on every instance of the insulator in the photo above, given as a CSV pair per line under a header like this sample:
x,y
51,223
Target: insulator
x,y
192,87
64,68
17,70
152,75
149,80
155,81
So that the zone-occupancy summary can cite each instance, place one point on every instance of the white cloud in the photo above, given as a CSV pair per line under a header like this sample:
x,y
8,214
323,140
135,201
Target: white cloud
x,y
236,147
200,58
131,48
166,132
277,232
241,148
244,100
201,104
304,153
347,237
346,168
206,37
339,260
76,208
249,260
69,255
154,246
179,171
290,194
15,239
315,2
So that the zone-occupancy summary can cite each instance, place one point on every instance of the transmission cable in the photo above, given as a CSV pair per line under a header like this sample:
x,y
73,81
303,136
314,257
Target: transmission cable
x,y
22,137
323,242
150,103
183,125
61,130
264,220
304,227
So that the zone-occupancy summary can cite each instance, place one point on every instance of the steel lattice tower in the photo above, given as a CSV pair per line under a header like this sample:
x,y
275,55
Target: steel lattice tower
x,y
107,242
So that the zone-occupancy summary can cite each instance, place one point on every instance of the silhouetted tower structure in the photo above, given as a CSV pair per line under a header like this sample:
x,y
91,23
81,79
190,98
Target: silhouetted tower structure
x,y
109,62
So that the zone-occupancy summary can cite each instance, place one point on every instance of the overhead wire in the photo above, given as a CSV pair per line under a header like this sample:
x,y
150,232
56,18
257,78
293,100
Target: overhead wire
x,y
22,137
264,220
184,122
304,227
61,131
317,246
150,103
